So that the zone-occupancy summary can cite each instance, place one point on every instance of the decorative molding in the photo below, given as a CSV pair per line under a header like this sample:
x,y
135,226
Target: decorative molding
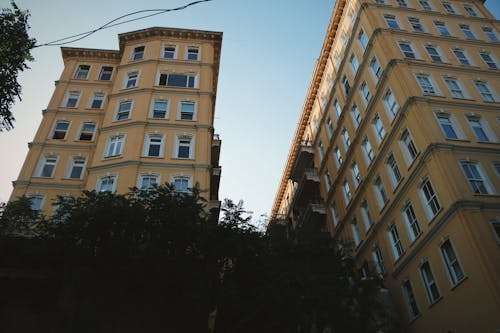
x,y
84,53
138,163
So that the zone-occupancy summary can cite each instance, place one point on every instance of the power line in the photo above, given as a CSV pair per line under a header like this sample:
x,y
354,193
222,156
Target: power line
x,y
112,23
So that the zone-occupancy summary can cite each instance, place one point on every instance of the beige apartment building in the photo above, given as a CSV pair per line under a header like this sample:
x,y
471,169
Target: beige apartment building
x,y
137,116
397,152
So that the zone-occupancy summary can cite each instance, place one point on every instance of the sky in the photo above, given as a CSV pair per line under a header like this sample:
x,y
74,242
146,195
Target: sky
x,y
269,51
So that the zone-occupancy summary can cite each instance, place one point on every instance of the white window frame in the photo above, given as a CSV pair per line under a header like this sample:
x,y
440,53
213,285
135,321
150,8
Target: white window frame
x,y
408,147
489,135
81,73
393,169
115,145
487,93
58,131
346,191
378,129
328,180
338,108
363,39
82,132
49,161
321,150
353,61
107,177
368,151
376,69
378,261
128,112
429,198
438,56
72,95
467,31
346,140
490,33
391,104
97,96
104,71
180,112
189,52
448,7
410,52
426,5
395,241
410,300
450,123
37,201
442,28
338,157
191,80
335,213
178,143
427,84
138,54
76,161
164,51
131,80
477,178
454,268
461,56
417,24
356,175
430,283
490,62
148,175
356,115
151,139
471,10
455,87
365,93
411,221
155,110
329,127
380,192
356,233
366,215
182,177
392,21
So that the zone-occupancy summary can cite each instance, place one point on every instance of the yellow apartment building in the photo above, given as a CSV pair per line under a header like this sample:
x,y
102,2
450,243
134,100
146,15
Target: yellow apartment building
x,y
397,152
137,116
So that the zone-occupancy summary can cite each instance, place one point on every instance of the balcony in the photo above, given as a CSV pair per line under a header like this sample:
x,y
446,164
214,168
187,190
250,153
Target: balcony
x,y
214,183
216,143
304,160
307,188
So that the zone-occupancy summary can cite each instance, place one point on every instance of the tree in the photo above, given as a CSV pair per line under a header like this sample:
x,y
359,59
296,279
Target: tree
x,y
15,51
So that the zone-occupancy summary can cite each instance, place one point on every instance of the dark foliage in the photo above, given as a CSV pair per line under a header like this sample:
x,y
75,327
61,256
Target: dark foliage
x,y
149,261
15,47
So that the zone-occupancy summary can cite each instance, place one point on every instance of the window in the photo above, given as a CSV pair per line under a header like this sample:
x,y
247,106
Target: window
x,y
193,53
411,222
354,63
177,80
395,174
335,214
338,109
170,51
355,232
478,127
476,177
124,109
36,201
329,126
429,198
115,145
496,166
380,2
425,5
338,156
328,180
411,302
442,28
485,91
454,87
379,129
47,166
461,57
391,21
447,125
82,72
356,175
346,190
367,151
391,105
467,31
148,181
106,73
321,150
407,50
160,109
60,130
496,229
347,86
430,283
97,100
434,53
131,80
365,214
488,60
426,84
345,139
106,184
402,3
76,167
87,131
416,24
187,110
375,68
449,8
72,99
490,33
363,39
378,261
408,146
184,147
356,116
365,92
455,270
471,10
395,241
380,192
154,145
181,183
138,53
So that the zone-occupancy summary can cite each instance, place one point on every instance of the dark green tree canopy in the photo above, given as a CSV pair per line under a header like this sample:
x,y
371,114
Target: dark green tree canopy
x,y
15,47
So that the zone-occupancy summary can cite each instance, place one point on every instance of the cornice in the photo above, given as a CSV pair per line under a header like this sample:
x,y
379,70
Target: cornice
x,y
160,89
65,146
105,84
61,186
309,102
138,163
84,53
72,112
147,124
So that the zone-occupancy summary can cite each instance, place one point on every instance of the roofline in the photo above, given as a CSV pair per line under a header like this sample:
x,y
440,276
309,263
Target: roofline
x,y
308,103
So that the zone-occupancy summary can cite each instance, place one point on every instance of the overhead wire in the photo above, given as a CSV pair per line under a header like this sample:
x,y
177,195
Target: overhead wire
x,y
80,36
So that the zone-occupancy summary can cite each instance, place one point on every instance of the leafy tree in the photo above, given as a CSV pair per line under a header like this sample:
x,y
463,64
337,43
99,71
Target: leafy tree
x,y
15,47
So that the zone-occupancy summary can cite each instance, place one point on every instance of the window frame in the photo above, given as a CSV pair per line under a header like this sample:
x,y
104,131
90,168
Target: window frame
x,y
455,87
366,215
392,21
119,113
57,132
412,153
484,187
356,175
81,73
467,31
181,113
490,33
356,233
164,51
491,62
380,192
393,169
391,104
488,95
107,177
438,56
39,203
427,84
416,24
72,95
178,144
378,129
430,283
395,242
455,278
376,69
103,72
346,191
182,177
189,53
137,53
81,132
354,63
407,49
356,115
442,28
411,221
73,164
50,162
429,198
450,126
156,111
362,38
114,145
97,96
368,150
149,143
172,77
148,175
365,93
462,57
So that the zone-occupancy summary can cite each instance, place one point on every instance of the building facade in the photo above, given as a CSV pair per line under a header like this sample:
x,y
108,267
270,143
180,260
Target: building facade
x,y
397,152
137,116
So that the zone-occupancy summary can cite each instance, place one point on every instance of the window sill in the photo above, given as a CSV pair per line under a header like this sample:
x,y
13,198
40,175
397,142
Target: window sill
x,y
413,319
43,177
114,157
94,109
415,240
80,79
488,142
398,185
68,178
129,88
153,118
456,285
183,158
79,140
435,302
457,140
120,120
154,157
434,217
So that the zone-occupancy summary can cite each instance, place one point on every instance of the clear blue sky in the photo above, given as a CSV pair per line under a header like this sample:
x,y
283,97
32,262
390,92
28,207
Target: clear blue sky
x,y
269,50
